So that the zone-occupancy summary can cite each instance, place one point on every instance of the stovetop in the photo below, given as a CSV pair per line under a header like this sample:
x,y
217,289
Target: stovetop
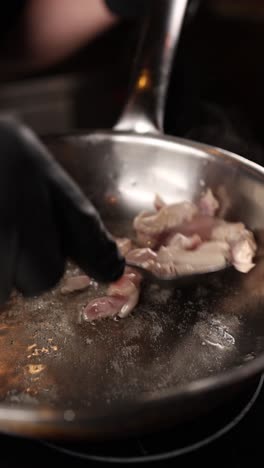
x,y
217,98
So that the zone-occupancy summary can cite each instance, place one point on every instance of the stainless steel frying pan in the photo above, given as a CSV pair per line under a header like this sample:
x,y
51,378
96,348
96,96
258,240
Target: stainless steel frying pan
x,y
183,351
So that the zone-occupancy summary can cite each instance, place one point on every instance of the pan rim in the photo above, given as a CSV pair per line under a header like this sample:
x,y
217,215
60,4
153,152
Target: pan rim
x,y
21,418
155,138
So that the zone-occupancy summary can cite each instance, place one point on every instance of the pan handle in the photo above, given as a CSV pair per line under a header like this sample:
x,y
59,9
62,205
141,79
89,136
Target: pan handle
x,y
144,110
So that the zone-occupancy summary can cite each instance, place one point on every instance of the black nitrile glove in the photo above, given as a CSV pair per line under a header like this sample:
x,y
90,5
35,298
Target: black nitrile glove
x,y
45,219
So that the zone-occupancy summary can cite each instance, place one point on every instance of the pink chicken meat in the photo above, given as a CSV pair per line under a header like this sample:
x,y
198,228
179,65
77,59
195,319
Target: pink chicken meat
x,y
121,298
193,239
174,239
75,284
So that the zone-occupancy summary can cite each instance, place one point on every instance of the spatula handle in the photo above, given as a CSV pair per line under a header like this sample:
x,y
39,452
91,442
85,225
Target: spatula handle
x,y
144,110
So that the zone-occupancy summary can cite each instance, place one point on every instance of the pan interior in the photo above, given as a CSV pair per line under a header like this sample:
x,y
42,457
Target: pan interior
x,y
175,335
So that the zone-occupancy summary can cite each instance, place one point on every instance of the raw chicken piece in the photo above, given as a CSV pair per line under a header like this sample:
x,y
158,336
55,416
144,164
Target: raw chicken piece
x,y
182,256
127,287
200,225
168,217
214,246
241,241
230,243
208,204
183,242
103,307
143,257
122,297
159,203
243,253
150,227
163,227
124,244
190,255
226,231
75,283
209,255
123,285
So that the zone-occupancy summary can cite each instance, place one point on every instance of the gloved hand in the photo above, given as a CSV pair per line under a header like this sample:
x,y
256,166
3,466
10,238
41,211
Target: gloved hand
x,y
45,219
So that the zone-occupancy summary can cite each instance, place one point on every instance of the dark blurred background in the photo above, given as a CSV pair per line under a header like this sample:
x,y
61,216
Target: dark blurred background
x,y
216,94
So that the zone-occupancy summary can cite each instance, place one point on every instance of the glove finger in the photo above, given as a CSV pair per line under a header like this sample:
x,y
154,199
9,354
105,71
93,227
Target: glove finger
x,y
85,239
40,261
